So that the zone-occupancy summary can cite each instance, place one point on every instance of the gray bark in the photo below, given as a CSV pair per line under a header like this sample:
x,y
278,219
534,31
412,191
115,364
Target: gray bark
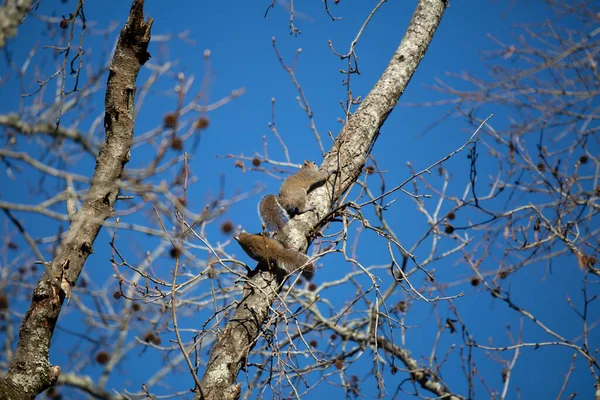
x,y
30,371
12,13
347,156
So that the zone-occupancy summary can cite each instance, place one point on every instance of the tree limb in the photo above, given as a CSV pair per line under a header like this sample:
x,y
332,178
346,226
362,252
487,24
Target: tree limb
x,y
347,156
85,384
13,121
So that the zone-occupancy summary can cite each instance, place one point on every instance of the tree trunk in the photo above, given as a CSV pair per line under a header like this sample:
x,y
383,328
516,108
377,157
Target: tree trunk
x,y
347,156
30,371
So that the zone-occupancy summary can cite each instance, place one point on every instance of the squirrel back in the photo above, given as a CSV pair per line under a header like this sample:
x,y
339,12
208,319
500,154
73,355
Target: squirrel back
x,y
272,252
294,190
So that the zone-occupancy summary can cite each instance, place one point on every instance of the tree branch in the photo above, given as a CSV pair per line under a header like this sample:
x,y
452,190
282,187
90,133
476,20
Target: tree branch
x,y
13,121
348,156
86,384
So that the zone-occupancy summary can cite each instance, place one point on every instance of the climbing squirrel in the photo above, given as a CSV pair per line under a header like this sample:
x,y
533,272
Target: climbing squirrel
x,y
275,211
270,252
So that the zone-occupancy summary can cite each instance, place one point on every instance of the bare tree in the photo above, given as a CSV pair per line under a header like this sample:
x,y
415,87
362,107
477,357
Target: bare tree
x,y
347,157
30,372
179,301
537,214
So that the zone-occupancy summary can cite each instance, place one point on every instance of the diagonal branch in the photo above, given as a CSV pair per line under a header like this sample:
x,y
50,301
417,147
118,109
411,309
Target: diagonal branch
x,y
85,384
13,121
30,371
347,156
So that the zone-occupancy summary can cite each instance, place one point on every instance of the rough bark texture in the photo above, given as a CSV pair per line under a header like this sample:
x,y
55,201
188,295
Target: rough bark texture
x,y
30,371
348,156
12,13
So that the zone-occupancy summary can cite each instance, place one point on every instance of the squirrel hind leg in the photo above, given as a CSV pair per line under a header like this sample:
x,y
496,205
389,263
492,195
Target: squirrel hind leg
x,y
293,201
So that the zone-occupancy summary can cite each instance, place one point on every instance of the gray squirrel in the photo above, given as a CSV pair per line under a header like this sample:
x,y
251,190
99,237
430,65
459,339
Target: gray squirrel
x,y
272,252
275,212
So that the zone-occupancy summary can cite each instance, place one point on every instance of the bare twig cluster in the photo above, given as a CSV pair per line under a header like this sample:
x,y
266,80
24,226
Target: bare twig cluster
x,y
140,270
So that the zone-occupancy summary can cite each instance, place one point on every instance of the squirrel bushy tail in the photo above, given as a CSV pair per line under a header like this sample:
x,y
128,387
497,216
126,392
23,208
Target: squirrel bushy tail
x,y
273,215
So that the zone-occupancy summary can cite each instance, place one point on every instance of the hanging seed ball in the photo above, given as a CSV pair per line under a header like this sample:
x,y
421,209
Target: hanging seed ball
x,y
175,252
102,357
202,123
170,120
177,143
339,364
150,337
227,227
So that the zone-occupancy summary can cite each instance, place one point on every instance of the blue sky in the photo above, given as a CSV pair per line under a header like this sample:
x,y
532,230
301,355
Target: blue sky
x,y
242,56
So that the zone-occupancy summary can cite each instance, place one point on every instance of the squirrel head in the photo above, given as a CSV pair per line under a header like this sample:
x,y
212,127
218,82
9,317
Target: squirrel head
x,y
241,236
310,164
